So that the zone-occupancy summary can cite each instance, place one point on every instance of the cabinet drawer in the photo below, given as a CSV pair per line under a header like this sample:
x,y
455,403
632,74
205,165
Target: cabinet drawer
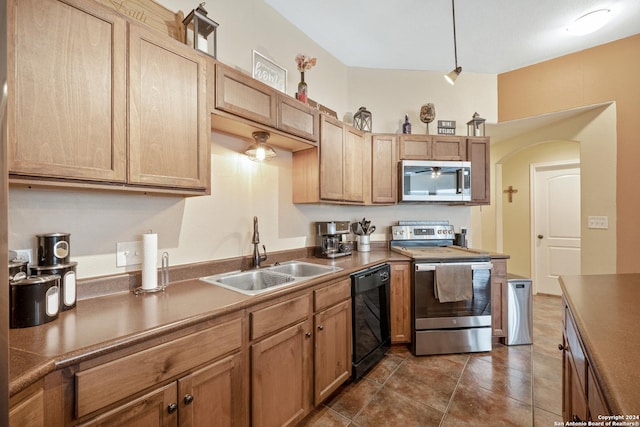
x,y
108,383
332,294
277,316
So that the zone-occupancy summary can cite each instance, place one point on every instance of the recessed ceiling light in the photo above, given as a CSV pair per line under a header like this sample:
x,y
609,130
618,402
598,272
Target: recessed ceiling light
x,y
590,22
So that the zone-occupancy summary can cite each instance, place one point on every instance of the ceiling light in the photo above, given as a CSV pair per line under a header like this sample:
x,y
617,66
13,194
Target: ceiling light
x,y
589,22
453,75
260,150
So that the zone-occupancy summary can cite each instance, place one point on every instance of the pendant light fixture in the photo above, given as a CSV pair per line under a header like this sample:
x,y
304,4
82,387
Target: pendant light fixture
x,y
453,75
260,150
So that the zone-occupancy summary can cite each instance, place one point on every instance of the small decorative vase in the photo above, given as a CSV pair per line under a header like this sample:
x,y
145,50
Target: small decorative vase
x,y
302,89
406,127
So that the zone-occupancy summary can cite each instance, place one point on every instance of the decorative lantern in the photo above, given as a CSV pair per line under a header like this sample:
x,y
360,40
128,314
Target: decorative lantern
x,y
200,31
362,119
475,127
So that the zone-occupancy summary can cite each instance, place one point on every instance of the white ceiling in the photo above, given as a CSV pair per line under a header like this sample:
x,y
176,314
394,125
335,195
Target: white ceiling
x,y
493,36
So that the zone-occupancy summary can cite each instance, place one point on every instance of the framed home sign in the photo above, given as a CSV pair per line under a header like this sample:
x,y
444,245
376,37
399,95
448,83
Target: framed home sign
x,y
269,72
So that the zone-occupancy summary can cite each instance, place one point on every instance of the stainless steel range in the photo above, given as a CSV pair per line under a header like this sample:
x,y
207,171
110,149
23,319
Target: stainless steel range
x,y
450,286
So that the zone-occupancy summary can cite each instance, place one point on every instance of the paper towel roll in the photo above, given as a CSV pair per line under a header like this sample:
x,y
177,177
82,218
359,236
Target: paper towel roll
x,y
149,261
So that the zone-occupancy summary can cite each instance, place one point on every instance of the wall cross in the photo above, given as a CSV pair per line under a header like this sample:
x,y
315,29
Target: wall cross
x,y
511,191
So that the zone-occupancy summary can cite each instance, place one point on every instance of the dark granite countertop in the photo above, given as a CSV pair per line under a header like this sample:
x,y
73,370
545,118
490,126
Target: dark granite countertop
x,y
101,325
605,308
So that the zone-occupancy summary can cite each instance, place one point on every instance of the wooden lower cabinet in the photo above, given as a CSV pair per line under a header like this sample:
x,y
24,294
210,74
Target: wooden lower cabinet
x,y
582,400
400,302
332,356
27,408
152,409
499,301
186,381
281,373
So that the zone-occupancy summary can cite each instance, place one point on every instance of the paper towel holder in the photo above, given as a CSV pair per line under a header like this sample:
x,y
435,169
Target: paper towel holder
x,y
164,278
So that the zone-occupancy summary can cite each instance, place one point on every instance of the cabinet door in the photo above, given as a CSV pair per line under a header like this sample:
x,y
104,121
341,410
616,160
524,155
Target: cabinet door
x,y
400,302
332,360
354,161
67,90
576,408
448,148
158,408
415,147
384,167
331,159
281,377
243,96
29,411
297,118
499,298
478,155
168,120
214,392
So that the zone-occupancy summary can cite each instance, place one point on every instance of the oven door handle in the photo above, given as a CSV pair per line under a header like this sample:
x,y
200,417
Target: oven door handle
x,y
474,265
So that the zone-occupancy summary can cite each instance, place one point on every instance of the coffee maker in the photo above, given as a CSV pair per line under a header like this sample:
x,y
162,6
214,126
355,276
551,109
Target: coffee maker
x,y
329,241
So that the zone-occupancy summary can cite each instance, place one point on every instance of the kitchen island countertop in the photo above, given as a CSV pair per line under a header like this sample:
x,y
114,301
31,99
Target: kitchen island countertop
x,y
605,308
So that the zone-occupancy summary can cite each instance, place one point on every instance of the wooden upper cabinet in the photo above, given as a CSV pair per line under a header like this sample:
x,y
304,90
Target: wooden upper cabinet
x,y
432,147
241,95
168,121
384,166
67,90
354,177
478,153
448,148
415,147
331,158
297,118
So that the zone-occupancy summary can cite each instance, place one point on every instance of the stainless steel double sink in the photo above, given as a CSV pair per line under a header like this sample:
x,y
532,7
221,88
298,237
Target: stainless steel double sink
x,y
253,282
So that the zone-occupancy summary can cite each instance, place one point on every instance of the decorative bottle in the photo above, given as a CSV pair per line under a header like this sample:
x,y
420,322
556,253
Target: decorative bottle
x,y
406,127
302,89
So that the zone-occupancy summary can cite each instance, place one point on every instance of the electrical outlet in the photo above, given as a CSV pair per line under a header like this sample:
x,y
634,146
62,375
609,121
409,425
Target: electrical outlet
x,y
128,253
601,222
25,254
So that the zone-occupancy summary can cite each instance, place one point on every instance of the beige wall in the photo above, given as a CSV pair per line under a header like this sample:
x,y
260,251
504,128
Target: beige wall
x,y
588,136
593,76
516,217
219,226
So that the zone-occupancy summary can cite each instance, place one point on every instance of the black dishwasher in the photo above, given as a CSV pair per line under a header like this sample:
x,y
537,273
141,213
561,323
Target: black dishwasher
x,y
370,290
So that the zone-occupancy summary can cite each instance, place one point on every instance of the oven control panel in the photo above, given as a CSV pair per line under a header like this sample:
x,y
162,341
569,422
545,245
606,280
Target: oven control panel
x,y
421,232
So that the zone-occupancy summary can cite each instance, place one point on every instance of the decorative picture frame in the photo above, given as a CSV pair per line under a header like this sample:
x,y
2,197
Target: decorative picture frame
x,y
267,71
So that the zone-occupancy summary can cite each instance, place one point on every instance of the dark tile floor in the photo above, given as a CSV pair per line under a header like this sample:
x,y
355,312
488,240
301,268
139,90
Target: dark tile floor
x,y
510,386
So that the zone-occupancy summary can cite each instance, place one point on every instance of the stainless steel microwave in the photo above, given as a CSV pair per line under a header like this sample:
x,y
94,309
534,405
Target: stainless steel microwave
x,y
434,181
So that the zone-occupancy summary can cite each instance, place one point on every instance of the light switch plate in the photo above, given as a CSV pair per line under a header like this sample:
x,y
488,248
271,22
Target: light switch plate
x,y
128,253
601,222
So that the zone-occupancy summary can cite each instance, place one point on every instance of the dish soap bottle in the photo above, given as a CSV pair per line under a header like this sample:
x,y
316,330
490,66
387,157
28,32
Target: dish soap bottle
x,y
406,127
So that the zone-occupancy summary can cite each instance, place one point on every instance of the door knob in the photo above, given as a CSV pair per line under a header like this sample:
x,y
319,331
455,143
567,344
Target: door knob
x,y
540,236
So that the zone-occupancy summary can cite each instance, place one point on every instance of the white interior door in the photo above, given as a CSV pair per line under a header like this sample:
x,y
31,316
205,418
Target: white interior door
x,y
556,232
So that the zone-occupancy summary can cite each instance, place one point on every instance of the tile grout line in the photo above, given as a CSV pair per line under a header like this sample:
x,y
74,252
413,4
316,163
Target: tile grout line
x,y
455,390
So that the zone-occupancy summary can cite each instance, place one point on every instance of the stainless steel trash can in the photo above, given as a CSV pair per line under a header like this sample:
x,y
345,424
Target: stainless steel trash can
x,y
519,310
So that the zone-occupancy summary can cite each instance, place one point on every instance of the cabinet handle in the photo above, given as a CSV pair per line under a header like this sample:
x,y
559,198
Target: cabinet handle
x,y
308,334
172,408
575,418
320,327
188,399
561,347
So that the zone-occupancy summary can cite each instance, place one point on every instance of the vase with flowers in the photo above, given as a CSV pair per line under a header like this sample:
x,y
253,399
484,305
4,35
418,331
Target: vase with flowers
x,y
304,63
